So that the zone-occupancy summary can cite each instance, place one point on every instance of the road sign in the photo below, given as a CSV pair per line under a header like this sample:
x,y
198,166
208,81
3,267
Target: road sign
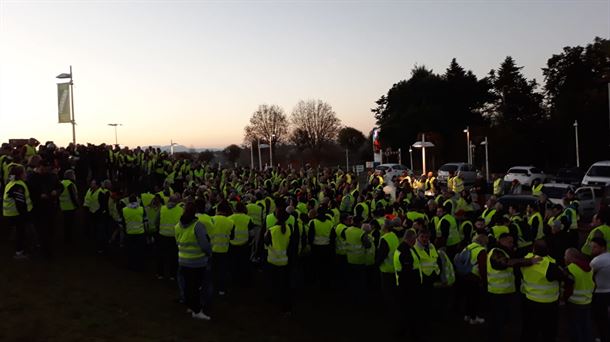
x,y
359,168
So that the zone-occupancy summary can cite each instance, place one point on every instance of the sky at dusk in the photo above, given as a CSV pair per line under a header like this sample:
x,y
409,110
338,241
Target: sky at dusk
x,y
194,71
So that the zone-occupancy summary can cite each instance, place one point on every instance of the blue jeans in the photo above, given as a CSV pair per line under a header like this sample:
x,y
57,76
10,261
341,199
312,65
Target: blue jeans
x,y
206,284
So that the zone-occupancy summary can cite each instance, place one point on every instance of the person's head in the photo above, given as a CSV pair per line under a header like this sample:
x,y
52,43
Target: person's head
x,y
479,224
69,174
240,207
540,248
418,224
410,237
133,198
556,209
481,239
532,208
224,208
572,255
440,211
107,184
513,209
598,246
367,228
189,211
174,199
17,172
506,241
423,236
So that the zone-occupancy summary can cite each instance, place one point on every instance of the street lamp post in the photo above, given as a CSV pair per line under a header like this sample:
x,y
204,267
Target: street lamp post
x,y
171,146
411,157
576,136
69,76
486,143
251,155
271,150
468,155
423,144
260,159
116,140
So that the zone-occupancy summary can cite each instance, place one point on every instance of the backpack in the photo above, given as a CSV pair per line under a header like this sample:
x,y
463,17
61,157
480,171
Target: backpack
x,y
462,263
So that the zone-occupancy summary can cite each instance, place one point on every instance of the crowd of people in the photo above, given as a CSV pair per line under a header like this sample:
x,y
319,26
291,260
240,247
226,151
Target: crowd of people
x,y
417,244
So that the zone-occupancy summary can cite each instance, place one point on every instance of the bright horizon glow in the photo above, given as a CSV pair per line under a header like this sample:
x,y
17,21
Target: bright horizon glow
x,y
194,71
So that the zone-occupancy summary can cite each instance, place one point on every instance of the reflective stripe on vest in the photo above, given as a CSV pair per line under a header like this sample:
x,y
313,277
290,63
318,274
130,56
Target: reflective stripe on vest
x,y
219,233
428,261
241,222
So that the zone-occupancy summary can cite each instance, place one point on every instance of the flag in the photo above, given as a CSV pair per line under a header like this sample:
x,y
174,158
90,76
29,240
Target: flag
x,y
63,102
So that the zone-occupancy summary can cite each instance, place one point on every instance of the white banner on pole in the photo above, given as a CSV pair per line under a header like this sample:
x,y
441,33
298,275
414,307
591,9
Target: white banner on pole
x,y
63,102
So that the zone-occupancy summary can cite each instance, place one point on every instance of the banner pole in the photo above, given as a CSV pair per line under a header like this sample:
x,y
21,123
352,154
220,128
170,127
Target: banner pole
x,y
72,108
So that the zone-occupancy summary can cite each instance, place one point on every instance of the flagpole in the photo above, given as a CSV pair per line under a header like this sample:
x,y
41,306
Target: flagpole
x,y
72,108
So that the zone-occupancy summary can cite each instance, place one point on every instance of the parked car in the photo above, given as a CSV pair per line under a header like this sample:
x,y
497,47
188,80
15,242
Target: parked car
x,y
520,200
569,175
392,170
526,175
556,192
598,174
590,199
468,171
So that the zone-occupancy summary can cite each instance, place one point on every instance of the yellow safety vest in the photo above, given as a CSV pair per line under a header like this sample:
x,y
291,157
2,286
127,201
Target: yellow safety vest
x,y
537,190
340,243
168,219
277,252
65,201
454,234
134,220
188,246
322,232
387,266
428,260
242,222
355,249
500,281
398,265
535,286
539,229
220,232
583,285
9,206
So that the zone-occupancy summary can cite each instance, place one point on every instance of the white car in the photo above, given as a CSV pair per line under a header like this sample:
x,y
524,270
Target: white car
x,y
555,192
392,170
468,171
598,174
526,175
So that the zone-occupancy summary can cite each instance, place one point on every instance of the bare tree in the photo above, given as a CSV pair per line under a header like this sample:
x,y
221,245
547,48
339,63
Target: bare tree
x,y
268,123
315,124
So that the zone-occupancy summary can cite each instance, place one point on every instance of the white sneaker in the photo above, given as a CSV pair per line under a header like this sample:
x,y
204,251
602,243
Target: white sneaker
x,y
201,315
221,293
472,322
479,320
467,318
189,311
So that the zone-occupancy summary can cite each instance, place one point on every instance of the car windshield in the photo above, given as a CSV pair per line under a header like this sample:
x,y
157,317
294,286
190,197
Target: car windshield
x,y
599,171
381,168
518,171
554,191
449,167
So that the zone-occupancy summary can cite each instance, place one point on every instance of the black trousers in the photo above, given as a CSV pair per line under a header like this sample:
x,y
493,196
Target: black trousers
x,y
240,264
166,255
220,270
280,286
68,219
322,259
601,301
136,247
193,280
20,222
45,229
500,315
539,321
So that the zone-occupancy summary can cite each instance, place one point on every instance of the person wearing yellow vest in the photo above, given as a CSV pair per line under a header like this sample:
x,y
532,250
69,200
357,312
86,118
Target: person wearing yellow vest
x,y
458,183
165,240
535,221
579,295
384,260
222,231
408,280
321,250
134,223
599,229
490,210
17,206
498,186
430,263
537,188
501,287
447,233
572,217
240,244
68,203
540,286
280,241
358,242
474,283
338,241
194,250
